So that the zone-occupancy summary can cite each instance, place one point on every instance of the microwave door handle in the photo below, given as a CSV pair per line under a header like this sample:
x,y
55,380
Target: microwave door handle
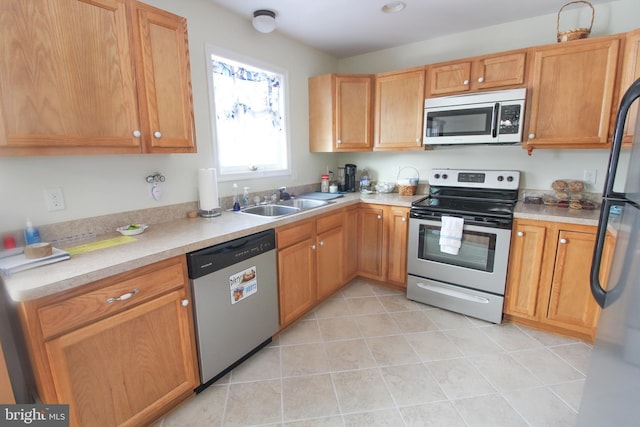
x,y
494,124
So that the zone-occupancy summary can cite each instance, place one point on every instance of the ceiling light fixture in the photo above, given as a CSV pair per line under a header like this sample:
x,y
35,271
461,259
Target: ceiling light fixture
x,y
264,20
394,7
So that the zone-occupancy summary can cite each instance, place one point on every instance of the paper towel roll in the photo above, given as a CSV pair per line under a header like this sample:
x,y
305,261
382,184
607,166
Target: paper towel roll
x,y
208,189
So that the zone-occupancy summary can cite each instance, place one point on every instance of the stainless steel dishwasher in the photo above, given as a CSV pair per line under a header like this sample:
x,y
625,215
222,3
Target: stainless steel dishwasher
x,y
235,296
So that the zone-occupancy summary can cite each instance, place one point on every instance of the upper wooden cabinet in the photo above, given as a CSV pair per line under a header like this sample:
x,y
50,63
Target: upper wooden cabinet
x,y
478,73
399,108
164,80
571,93
630,73
79,77
340,117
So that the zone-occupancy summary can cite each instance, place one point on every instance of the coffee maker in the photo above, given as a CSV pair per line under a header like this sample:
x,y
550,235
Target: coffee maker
x,y
350,177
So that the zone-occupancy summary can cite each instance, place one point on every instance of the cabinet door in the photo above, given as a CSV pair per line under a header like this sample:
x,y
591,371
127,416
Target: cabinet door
x,y
296,279
350,264
66,78
498,71
164,77
571,94
371,242
353,113
122,370
449,78
630,73
525,268
329,257
398,222
570,302
398,110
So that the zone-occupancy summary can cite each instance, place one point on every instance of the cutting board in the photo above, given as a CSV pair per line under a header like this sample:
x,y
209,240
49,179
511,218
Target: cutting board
x,y
317,195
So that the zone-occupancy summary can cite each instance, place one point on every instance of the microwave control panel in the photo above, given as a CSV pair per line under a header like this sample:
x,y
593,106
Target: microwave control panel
x,y
509,119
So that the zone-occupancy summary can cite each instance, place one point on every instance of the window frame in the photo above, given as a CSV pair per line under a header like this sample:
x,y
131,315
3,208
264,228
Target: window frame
x,y
252,62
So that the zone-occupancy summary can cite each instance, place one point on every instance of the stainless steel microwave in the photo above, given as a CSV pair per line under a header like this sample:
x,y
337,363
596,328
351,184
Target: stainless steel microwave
x,y
480,118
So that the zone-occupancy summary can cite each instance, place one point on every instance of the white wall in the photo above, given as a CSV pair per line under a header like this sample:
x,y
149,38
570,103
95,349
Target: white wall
x,y
99,185
538,170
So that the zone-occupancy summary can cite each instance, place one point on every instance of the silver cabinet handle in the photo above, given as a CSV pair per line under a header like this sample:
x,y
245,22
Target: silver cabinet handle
x,y
313,247
563,241
480,79
123,297
137,133
404,219
466,82
184,302
532,136
339,141
379,216
157,134
520,234
321,243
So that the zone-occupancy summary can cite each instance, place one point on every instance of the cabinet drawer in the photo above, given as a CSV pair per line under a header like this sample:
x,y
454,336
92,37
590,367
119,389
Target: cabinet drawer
x,y
330,221
288,235
79,310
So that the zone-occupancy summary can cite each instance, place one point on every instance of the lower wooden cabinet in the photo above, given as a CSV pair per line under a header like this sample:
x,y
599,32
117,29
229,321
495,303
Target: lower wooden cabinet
x,y
121,362
310,259
549,275
383,233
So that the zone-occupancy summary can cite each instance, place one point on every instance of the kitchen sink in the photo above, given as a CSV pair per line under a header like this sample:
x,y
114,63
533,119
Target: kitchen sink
x,y
284,207
271,211
303,203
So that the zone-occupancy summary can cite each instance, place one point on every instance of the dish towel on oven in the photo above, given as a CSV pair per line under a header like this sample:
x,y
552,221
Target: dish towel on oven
x,y
451,234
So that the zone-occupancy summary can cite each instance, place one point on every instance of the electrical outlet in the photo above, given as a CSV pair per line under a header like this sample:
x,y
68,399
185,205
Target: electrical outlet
x,y
589,176
54,199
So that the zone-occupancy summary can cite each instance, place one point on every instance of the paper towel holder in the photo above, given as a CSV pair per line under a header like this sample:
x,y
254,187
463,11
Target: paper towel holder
x,y
210,213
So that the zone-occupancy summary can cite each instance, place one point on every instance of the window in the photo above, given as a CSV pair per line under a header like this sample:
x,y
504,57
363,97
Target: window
x,y
248,103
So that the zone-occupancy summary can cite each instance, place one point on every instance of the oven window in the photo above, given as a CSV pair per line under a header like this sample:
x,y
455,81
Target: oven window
x,y
472,121
477,250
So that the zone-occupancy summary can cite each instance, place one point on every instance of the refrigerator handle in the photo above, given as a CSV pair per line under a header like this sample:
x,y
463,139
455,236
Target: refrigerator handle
x,y
598,292
629,97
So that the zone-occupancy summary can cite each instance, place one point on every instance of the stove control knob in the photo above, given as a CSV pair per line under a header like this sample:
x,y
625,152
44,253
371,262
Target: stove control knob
x,y
436,176
445,176
500,178
510,178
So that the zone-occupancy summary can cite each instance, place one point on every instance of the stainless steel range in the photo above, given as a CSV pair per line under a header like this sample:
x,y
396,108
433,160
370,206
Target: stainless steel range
x,y
459,239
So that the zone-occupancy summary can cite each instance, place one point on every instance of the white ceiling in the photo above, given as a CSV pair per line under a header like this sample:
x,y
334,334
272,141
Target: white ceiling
x,y
345,28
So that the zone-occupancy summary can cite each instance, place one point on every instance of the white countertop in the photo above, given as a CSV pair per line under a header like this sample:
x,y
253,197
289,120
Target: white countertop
x,y
556,214
162,241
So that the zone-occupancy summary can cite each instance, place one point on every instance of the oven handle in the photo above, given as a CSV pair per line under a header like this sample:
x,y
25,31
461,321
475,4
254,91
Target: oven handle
x,y
452,293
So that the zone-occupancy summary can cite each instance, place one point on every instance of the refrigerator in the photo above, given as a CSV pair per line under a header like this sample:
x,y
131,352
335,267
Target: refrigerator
x,y
611,395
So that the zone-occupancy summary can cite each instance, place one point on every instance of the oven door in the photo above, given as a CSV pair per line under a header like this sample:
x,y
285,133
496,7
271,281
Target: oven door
x,y
480,264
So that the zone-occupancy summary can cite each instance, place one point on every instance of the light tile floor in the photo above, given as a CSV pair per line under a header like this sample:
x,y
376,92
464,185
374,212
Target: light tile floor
x,y
370,357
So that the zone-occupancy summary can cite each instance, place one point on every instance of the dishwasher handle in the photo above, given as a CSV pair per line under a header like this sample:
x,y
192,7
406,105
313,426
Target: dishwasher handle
x,y
209,260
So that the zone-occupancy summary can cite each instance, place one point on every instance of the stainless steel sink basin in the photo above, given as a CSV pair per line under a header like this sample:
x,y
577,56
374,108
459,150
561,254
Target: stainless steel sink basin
x,y
271,211
284,207
303,203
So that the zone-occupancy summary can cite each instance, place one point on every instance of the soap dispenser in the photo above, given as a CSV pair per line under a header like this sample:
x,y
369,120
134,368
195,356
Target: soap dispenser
x,y
245,197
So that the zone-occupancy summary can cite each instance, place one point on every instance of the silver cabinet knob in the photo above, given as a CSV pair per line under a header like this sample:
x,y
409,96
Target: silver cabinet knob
x,y
404,219
466,82
157,134
480,79
339,141
532,135
379,216
137,133
313,247
184,302
321,243
563,241
520,234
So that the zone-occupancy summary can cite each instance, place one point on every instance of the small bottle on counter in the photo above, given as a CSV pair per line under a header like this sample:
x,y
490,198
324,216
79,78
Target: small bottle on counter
x,y
31,234
324,183
245,197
